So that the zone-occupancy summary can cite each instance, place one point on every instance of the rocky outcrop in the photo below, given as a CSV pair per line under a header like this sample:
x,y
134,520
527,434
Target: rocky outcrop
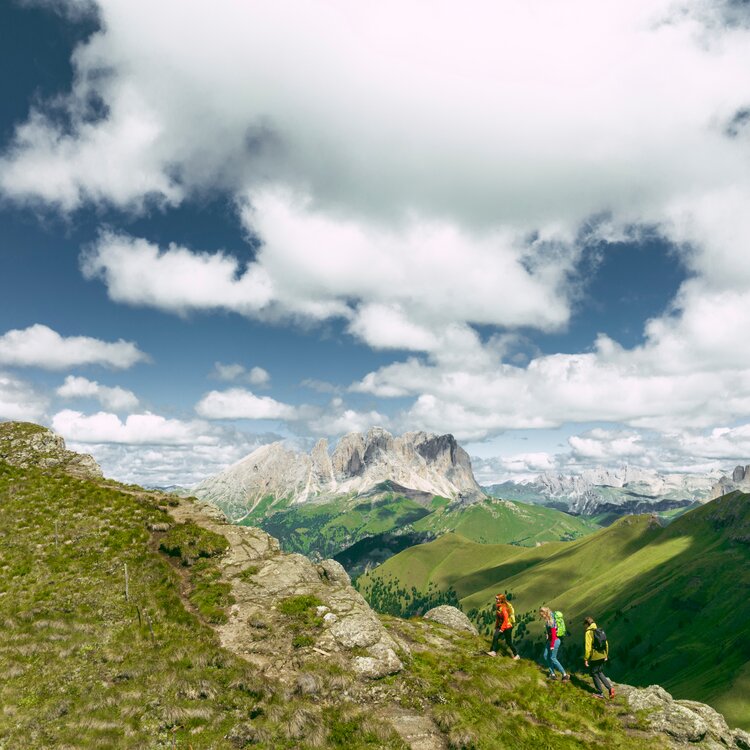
x,y
452,617
683,722
347,632
26,445
274,476
740,480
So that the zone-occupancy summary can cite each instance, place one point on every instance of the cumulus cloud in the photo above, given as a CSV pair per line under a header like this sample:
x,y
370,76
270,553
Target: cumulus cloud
x,y
165,465
338,419
137,272
256,376
606,446
115,398
136,429
397,289
239,403
572,117
40,346
463,210
19,400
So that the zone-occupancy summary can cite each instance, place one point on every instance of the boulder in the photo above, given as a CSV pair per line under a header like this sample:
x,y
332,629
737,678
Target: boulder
x,y
452,618
741,739
717,725
334,572
358,630
679,722
382,663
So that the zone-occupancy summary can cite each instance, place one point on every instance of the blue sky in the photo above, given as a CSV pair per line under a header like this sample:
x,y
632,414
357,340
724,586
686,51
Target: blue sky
x,y
267,221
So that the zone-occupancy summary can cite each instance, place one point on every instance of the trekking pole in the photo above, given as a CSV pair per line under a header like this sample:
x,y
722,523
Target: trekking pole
x,y
127,592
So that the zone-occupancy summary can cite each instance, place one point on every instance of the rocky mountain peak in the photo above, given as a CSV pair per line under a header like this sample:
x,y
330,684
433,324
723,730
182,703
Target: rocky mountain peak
x,y
25,444
428,463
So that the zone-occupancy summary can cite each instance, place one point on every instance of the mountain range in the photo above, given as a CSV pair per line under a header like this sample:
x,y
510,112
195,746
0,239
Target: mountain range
x,y
373,495
274,476
613,492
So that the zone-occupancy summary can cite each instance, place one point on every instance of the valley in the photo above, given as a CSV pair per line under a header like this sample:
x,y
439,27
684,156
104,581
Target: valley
x,y
673,599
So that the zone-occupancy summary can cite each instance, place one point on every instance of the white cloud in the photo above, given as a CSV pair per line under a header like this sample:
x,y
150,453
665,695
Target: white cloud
x,y
19,400
339,420
607,446
532,113
164,465
238,403
115,398
461,209
40,346
256,376
138,273
136,429
518,467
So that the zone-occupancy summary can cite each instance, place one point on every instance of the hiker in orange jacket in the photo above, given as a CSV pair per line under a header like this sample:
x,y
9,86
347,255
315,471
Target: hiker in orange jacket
x,y
504,620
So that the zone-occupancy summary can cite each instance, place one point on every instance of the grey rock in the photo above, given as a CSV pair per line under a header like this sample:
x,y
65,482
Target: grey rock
x,y
741,739
452,617
652,697
738,474
334,572
431,464
29,445
382,663
357,631
717,725
679,722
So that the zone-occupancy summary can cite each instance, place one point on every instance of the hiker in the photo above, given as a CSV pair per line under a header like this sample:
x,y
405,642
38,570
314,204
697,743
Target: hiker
x,y
596,653
552,646
505,618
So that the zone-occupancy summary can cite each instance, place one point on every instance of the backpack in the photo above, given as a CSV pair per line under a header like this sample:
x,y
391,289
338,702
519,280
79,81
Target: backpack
x,y
600,641
560,623
511,614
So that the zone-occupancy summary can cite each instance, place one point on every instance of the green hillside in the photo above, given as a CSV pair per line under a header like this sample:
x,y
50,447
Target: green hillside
x,y
85,666
495,521
673,600
329,527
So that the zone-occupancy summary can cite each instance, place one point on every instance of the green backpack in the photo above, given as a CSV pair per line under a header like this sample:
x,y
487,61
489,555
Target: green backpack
x,y
560,622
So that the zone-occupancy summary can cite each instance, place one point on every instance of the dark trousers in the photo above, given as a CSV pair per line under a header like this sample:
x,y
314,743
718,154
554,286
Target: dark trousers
x,y
596,670
507,636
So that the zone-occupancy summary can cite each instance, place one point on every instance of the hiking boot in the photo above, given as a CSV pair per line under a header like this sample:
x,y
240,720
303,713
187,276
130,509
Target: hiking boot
x,y
551,677
598,695
492,653
566,678
516,657
611,692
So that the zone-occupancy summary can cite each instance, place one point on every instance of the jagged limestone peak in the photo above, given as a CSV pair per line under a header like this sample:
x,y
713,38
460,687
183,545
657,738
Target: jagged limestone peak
x,y
428,463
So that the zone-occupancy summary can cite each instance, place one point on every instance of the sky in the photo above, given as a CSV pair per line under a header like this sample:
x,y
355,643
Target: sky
x,y
525,224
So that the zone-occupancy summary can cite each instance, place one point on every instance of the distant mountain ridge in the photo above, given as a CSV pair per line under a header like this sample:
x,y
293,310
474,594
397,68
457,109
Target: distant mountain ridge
x,y
619,491
275,476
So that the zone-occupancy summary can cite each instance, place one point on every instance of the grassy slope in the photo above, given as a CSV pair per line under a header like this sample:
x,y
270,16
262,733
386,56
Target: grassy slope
x,y
672,600
497,521
84,668
329,527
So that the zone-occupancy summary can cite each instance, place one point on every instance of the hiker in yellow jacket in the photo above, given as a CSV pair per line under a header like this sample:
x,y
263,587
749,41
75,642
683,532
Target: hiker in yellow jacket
x,y
596,653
